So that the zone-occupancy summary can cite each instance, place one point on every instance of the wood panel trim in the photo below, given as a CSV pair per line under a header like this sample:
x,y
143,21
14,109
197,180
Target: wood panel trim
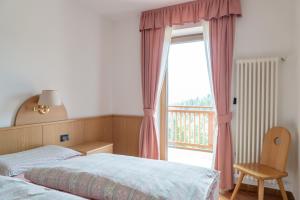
x,y
26,115
122,130
125,133
80,130
16,140
49,123
163,143
75,130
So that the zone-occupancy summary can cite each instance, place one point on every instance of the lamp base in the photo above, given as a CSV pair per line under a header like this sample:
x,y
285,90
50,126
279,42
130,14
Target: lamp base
x,y
42,109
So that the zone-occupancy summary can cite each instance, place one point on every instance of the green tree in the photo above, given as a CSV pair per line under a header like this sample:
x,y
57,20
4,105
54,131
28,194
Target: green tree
x,y
204,101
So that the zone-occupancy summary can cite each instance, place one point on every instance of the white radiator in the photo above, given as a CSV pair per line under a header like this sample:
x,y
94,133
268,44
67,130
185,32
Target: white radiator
x,y
257,86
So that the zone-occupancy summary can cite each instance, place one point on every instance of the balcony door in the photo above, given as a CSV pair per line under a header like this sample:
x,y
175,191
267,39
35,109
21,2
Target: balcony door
x,y
187,111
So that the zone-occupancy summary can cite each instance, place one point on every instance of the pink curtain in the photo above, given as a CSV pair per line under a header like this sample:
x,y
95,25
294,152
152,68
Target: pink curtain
x,y
221,14
222,40
152,47
190,12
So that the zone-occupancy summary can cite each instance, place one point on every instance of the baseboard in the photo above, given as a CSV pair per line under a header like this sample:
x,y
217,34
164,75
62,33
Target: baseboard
x,y
270,191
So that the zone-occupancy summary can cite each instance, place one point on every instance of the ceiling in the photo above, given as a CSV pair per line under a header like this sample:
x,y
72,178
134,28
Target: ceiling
x,y
118,8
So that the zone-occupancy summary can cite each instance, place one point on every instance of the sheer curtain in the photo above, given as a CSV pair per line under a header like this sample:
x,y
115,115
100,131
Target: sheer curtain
x,y
165,53
205,25
164,66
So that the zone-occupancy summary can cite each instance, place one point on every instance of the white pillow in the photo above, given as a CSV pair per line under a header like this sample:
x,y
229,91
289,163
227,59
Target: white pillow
x,y
17,163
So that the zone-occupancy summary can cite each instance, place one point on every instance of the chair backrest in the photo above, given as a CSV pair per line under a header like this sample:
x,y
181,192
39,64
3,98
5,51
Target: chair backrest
x,y
275,148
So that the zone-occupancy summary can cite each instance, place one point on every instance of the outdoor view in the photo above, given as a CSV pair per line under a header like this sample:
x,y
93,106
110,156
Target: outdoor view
x,y
188,75
190,111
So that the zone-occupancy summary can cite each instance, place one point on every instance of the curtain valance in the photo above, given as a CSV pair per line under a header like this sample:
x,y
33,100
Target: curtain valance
x,y
190,12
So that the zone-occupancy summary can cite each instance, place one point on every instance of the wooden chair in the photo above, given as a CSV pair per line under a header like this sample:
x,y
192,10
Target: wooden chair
x,y
272,162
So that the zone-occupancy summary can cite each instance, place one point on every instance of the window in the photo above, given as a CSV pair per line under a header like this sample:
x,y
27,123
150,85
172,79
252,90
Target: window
x,y
190,118
188,76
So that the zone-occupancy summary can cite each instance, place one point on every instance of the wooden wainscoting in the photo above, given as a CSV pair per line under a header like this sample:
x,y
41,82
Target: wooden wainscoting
x,y
20,138
122,130
52,132
126,131
98,129
80,131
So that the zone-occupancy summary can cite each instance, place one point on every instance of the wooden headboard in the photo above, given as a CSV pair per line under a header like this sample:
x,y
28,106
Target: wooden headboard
x,y
20,138
26,115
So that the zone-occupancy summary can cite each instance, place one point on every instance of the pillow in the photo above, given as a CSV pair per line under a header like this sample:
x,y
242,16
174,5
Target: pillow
x,y
17,163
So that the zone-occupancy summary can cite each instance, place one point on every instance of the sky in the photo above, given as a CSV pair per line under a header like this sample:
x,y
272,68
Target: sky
x,y
187,72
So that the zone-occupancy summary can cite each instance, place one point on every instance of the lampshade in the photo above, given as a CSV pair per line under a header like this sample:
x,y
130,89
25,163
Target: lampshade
x,y
49,98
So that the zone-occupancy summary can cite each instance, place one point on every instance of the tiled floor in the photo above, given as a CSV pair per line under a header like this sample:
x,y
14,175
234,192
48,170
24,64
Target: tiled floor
x,y
198,158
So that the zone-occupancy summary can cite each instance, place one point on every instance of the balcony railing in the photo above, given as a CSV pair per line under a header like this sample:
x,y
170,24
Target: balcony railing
x,y
191,127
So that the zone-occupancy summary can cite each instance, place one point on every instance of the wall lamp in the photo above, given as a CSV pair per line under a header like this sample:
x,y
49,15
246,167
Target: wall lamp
x,y
48,99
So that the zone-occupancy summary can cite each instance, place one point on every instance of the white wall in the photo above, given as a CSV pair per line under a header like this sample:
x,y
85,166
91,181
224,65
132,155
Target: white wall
x,y
266,29
55,44
127,91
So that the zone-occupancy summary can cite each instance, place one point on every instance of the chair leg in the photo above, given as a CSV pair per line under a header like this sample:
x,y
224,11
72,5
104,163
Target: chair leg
x,y
261,189
282,190
237,187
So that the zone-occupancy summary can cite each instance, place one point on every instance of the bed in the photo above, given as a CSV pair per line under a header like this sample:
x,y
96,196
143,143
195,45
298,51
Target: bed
x,y
110,176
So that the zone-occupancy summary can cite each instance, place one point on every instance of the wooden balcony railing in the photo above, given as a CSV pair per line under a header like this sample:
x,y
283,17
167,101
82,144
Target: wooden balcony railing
x,y
191,127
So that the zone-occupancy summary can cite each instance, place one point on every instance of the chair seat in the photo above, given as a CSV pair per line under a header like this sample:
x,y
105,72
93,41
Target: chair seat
x,y
260,171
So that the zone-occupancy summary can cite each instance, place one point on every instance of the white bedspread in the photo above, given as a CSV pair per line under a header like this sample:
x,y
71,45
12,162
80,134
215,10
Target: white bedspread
x,y
16,189
161,179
